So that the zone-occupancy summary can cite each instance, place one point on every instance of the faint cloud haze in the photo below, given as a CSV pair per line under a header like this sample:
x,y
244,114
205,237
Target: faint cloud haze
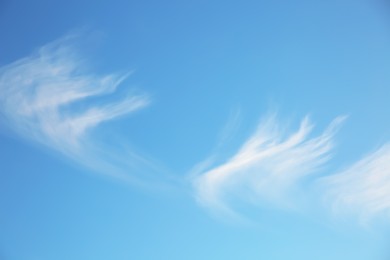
x,y
362,189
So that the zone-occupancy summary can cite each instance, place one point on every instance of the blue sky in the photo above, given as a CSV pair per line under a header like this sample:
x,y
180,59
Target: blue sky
x,y
194,130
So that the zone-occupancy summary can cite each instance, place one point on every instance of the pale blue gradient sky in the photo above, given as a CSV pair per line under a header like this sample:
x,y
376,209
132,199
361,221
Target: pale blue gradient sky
x,y
210,71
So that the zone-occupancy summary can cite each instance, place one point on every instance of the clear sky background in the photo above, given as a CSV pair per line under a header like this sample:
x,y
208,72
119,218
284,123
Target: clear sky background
x,y
194,129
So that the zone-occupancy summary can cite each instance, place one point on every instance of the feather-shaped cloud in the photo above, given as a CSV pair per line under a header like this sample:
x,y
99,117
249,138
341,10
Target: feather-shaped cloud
x,y
268,166
48,97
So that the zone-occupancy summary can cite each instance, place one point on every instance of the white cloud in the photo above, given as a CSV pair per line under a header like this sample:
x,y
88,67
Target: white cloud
x,y
268,166
49,97
362,189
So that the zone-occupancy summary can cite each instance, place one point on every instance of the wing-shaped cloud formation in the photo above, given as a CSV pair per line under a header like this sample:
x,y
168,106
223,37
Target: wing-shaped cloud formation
x,y
48,97
363,188
268,166
37,94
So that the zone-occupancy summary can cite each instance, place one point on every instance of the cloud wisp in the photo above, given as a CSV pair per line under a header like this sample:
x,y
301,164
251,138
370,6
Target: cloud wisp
x,y
267,168
362,189
49,97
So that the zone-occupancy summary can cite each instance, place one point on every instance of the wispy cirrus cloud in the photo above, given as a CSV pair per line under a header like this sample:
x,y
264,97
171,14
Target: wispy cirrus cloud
x,y
362,189
268,166
49,97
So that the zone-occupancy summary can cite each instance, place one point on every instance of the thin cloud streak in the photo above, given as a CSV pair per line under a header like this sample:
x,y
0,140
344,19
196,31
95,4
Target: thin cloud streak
x,y
37,94
49,97
267,168
362,189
